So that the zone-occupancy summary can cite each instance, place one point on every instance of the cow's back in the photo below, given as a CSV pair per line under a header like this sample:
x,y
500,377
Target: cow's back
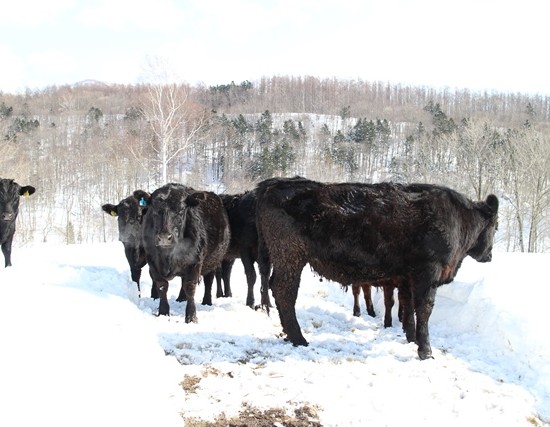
x,y
347,232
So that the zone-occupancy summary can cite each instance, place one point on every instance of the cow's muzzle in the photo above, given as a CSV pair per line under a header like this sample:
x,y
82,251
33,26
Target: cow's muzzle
x,y
8,216
165,239
486,258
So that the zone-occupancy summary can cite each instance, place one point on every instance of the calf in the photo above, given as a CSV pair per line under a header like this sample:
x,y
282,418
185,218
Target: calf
x,y
350,233
129,213
10,191
185,233
388,286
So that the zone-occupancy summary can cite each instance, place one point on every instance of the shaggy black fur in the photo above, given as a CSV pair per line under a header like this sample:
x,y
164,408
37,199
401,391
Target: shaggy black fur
x,y
351,233
185,233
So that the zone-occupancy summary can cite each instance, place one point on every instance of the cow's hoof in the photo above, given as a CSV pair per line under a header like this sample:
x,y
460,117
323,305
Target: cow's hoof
x,y
191,319
425,354
299,341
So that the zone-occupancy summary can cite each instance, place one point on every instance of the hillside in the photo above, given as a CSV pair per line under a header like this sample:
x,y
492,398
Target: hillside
x,y
91,143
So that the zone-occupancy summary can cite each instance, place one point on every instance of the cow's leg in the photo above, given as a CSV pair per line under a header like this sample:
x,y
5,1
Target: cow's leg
x,y
368,299
389,301
227,266
404,294
219,278
181,296
154,291
6,250
190,309
424,298
132,255
264,266
136,275
162,288
356,290
285,291
250,272
424,309
208,280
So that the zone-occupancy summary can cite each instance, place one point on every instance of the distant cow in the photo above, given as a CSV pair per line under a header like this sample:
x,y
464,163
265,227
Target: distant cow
x,y
353,233
10,191
185,233
129,213
241,211
388,286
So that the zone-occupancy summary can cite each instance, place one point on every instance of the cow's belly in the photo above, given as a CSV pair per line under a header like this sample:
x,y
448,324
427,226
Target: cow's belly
x,y
348,271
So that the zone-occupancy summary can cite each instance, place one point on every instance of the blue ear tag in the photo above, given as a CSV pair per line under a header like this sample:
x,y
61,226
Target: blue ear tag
x,y
142,202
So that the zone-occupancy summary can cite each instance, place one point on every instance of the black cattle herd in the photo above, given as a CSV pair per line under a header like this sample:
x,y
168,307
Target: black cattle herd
x,y
387,235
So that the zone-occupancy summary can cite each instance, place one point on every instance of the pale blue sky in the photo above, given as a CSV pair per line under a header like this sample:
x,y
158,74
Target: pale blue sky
x,y
477,44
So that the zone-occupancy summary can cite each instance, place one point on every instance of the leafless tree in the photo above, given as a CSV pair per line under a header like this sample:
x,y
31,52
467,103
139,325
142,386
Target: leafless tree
x,y
176,121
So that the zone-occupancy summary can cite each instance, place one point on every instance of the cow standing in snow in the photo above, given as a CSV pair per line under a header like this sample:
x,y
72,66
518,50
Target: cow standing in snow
x,y
10,191
129,213
185,233
241,211
351,233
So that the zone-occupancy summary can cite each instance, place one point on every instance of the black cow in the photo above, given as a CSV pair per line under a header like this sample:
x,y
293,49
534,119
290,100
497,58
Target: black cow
x,y
353,233
185,233
129,213
10,191
241,211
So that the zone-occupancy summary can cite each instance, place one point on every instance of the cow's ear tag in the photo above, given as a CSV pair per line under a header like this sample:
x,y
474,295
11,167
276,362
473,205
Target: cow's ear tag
x,y
113,213
26,193
142,202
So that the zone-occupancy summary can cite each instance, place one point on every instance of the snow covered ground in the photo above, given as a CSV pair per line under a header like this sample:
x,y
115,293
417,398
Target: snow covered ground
x,y
79,348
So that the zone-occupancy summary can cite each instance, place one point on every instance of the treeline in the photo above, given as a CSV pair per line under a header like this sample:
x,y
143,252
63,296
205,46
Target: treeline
x,y
88,144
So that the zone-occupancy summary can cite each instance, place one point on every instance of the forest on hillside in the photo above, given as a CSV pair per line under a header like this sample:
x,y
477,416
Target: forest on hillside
x,y
91,143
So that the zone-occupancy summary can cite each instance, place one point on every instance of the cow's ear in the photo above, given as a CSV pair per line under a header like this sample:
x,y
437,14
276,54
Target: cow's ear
x,y
110,209
143,197
490,206
27,190
194,199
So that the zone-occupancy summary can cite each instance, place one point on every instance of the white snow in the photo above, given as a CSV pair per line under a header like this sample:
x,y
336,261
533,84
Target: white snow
x,y
79,348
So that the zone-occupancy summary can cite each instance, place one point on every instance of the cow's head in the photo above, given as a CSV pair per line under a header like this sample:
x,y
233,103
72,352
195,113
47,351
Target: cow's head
x,y
9,198
482,250
129,213
168,212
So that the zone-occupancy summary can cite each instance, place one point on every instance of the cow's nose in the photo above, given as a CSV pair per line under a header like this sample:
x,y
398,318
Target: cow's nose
x,y
7,216
166,239
487,258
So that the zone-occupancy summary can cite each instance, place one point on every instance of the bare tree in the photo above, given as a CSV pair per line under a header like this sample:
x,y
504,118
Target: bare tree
x,y
528,185
477,148
176,121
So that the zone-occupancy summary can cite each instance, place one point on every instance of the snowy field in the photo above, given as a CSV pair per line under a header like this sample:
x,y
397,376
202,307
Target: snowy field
x,y
79,348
